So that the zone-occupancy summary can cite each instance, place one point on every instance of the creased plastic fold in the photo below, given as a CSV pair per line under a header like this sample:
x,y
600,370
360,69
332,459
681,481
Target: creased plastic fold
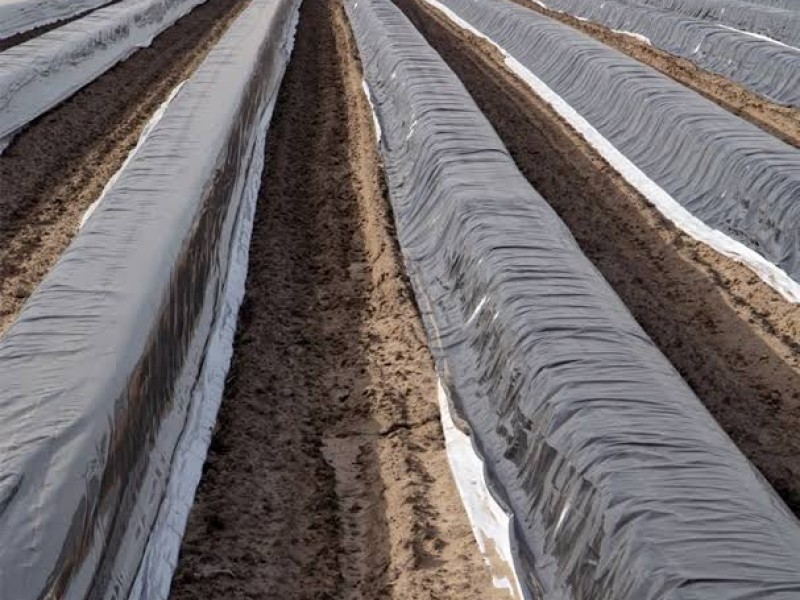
x,y
39,74
619,482
130,333
764,66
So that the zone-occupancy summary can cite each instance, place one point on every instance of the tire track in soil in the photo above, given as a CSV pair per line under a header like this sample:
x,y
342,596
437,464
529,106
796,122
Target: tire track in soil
x,y
732,337
58,165
327,475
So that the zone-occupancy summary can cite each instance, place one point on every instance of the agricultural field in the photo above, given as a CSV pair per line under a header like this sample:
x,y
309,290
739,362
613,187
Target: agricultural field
x,y
409,299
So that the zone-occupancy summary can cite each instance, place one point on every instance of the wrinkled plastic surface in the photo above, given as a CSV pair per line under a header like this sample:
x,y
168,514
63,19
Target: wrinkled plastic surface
x,y
39,74
770,69
776,23
620,483
17,16
732,175
787,4
100,370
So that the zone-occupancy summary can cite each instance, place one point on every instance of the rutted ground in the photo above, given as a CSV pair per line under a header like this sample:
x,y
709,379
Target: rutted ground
x,y
733,338
327,475
59,164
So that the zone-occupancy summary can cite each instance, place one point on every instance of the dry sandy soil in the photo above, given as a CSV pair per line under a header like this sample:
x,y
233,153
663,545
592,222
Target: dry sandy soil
x,y
733,338
60,163
327,475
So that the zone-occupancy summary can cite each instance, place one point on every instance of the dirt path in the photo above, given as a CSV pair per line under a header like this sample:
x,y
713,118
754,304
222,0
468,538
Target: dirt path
x,y
781,121
731,336
327,476
58,165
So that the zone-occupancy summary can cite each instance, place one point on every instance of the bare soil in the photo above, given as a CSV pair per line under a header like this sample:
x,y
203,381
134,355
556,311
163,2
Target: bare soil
x,y
59,164
779,120
327,475
733,338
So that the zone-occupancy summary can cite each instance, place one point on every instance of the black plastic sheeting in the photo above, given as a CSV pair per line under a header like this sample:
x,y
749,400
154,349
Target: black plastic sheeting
x,y
765,67
97,373
730,174
620,483
777,23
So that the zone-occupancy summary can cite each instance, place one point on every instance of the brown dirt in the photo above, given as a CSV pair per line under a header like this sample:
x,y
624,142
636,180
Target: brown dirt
x,y
732,337
779,120
59,164
327,475
21,38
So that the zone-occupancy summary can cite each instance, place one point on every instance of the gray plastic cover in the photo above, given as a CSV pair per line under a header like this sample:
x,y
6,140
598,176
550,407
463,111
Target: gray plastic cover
x,y
17,16
619,482
97,374
777,23
730,174
770,69
787,4
37,75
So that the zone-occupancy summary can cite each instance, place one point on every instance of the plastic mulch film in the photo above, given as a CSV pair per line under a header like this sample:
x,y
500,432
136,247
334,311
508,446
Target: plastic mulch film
x,y
105,362
780,24
17,16
731,175
766,67
42,72
619,482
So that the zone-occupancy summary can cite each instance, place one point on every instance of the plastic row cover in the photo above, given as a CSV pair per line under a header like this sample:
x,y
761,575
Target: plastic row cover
x,y
39,74
17,16
620,483
765,67
787,4
777,23
730,174
98,373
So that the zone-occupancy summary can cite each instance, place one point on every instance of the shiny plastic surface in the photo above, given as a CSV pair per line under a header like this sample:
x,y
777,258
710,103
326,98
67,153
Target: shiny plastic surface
x,y
620,483
779,24
38,74
100,370
17,16
766,67
733,176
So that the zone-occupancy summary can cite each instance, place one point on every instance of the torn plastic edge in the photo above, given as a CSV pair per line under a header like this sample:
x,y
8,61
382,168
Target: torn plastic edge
x,y
365,87
670,208
166,536
491,524
142,137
